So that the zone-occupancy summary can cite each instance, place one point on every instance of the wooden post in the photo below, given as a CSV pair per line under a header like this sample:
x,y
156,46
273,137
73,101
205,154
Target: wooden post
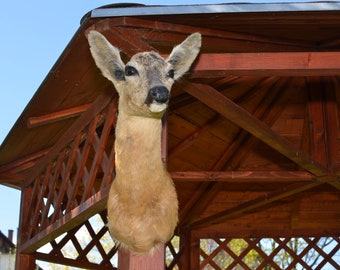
x,y
129,261
185,248
23,261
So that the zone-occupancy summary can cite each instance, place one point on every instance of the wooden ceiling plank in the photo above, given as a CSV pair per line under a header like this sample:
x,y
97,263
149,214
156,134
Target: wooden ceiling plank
x,y
245,120
267,110
135,41
323,122
36,121
242,176
234,150
331,118
189,140
157,27
269,64
316,122
253,204
129,41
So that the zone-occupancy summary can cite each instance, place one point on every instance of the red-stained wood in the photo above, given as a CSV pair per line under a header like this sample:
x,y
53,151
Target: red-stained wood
x,y
243,176
253,204
90,207
99,145
269,64
130,261
24,261
316,121
59,207
36,121
331,119
81,163
244,119
194,253
101,102
233,155
221,38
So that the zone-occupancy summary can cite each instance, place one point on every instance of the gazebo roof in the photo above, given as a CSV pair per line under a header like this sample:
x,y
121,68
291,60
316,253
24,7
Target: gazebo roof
x,y
253,128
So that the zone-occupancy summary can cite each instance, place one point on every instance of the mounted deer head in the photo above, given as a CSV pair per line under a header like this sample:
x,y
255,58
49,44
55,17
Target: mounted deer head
x,y
142,204
144,83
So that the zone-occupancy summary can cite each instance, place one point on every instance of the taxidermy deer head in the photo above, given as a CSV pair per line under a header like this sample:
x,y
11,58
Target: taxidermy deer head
x,y
142,204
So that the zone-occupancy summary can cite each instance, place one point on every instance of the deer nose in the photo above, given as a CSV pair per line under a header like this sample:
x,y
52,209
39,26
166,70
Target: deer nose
x,y
159,94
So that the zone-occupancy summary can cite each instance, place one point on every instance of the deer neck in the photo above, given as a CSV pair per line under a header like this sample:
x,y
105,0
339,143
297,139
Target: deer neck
x,y
138,149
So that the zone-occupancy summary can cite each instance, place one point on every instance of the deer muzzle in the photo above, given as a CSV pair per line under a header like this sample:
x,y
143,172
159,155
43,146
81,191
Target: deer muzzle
x,y
158,94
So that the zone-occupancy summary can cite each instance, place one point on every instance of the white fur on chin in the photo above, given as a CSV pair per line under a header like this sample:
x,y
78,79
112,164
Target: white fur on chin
x,y
157,107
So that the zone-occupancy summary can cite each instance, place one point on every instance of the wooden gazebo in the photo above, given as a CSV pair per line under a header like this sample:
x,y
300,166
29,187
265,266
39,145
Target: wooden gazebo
x,y
251,139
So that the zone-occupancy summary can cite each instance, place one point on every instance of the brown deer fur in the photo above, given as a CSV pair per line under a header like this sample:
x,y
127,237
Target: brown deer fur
x,y
142,203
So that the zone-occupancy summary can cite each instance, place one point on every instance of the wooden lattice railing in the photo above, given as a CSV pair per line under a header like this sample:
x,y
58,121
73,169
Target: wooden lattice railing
x,y
258,253
70,185
270,253
88,245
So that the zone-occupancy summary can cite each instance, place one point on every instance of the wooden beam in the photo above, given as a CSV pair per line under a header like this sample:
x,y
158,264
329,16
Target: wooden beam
x,y
253,204
268,64
242,176
15,172
226,107
36,121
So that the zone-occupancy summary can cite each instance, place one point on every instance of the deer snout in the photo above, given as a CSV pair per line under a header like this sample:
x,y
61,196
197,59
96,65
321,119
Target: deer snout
x,y
160,94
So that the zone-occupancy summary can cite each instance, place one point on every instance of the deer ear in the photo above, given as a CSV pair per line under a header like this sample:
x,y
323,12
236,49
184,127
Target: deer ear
x,y
184,54
106,56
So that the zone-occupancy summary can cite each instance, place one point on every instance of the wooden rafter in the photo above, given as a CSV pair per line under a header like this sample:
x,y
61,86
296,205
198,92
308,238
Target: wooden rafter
x,y
17,170
245,120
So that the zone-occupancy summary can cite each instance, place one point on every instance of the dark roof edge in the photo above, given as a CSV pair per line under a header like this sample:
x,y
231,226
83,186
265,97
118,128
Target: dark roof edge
x,y
215,8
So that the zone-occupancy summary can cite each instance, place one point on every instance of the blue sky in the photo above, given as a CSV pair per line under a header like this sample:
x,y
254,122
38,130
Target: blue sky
x,y
34,34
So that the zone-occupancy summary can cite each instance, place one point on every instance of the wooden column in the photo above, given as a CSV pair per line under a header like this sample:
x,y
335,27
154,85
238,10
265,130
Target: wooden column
x,y
129,261
24,261
185,247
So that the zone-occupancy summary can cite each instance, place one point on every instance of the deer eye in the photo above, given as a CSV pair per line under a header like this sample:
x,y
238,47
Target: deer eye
x,y
171,73
130,71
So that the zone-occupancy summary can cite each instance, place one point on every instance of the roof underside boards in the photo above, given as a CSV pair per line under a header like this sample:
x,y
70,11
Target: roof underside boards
x,y
253,128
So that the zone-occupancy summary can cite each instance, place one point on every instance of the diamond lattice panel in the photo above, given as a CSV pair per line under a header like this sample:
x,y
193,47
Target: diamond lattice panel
x,y
270,253
88,246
